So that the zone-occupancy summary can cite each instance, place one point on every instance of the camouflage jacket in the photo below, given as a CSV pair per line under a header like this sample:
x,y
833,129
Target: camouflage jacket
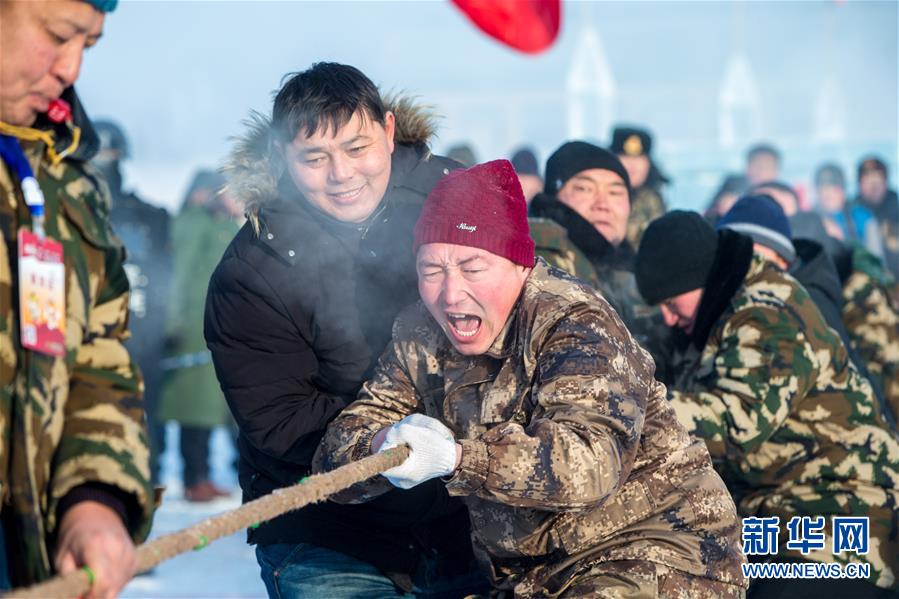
x,y
79,418
871,317
646,206
567,241
571,455
552,244
793,426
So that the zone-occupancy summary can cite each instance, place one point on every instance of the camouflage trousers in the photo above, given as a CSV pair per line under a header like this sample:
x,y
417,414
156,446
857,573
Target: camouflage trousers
x,y
633,579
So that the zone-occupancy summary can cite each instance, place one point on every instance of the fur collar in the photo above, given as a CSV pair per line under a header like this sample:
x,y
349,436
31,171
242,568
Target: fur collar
x,y
732,261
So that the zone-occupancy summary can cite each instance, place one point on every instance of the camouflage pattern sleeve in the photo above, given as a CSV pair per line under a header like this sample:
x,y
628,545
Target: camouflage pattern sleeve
x,y
873,326
762,363
589,397
104,437
387,398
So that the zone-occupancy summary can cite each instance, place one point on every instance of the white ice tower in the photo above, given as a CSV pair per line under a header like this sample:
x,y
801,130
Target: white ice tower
x,y
590,89
739,104
829,110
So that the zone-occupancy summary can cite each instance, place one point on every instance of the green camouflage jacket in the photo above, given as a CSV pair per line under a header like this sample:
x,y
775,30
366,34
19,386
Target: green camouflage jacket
x,y
583,252
871,317
571,454
646,206
552,244
793,426
78,418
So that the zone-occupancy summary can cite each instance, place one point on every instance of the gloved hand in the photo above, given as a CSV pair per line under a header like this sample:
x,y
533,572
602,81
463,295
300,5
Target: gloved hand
x,y
433,450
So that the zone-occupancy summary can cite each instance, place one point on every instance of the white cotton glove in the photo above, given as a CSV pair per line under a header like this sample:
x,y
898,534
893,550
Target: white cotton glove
x,y
433,450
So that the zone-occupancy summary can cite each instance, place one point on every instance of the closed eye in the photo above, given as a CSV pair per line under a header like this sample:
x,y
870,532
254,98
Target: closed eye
x,y
58,39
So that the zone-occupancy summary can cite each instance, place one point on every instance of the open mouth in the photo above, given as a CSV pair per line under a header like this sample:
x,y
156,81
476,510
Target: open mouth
x,y
463,326
344,197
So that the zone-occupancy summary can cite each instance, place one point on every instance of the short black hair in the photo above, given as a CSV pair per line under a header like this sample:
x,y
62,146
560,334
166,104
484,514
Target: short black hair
x,y
324,97
872,163
761,150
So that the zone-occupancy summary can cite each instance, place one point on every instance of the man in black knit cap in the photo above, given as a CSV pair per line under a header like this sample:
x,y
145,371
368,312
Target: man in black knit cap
x,y
588,193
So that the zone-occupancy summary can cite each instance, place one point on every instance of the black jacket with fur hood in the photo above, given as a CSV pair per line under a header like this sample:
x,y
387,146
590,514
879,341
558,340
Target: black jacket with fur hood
x,y
298,311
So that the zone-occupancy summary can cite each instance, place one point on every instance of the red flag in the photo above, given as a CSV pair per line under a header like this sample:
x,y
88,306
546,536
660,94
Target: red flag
x,y
527,25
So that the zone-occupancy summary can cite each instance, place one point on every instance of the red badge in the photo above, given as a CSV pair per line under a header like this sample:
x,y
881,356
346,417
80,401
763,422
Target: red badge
x,y
59,111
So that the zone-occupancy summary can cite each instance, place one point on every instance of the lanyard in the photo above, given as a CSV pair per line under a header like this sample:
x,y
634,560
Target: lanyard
x,y
12,154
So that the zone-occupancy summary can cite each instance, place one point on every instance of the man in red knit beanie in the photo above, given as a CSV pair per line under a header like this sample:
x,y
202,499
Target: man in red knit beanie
x,y
521,387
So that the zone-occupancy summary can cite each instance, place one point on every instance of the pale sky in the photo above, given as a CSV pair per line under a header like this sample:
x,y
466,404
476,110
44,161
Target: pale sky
x,y
180,76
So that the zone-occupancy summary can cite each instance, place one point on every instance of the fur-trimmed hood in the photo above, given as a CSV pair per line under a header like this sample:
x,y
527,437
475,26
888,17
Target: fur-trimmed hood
x,y
254,167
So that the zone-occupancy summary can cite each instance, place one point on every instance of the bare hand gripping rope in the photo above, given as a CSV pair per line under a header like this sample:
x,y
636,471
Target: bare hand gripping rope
x,y
310,490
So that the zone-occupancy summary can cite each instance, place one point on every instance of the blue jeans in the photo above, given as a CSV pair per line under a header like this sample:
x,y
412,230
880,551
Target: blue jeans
x,y
5,581
298,571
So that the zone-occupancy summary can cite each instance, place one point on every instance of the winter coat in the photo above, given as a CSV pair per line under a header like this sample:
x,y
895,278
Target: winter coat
x,y
297,313
795,429
144,229
646,206
871,317
570,453
73,422
817,273
858,225
191,393
552,244
887,215
612,271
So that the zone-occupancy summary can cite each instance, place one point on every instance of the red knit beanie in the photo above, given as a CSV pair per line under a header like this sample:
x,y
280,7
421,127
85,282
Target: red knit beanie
x,y
483,207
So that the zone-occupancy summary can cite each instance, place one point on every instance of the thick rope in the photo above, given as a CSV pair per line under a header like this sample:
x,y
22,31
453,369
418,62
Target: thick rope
x,y
309,490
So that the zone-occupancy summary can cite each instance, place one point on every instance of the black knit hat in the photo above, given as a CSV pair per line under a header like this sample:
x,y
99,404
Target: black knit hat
x,y
631,141
576,156
676,255
524,160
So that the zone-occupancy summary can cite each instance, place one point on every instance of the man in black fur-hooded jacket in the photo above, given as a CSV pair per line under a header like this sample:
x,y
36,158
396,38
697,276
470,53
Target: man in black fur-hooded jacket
x,y
297,313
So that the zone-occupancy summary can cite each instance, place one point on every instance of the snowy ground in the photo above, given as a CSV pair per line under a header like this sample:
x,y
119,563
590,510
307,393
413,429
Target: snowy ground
x,y
227,567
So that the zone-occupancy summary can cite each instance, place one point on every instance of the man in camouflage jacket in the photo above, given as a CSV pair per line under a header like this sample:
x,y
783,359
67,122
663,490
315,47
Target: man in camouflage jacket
x,y
870,308
793,427
578,479
871,316
633,146
74,474
580,224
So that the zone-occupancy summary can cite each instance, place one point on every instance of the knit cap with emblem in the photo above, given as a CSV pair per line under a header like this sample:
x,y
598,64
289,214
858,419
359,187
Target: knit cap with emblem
x,y
483,207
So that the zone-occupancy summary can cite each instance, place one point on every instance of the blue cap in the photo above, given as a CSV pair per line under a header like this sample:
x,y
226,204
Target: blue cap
x,y
103,5
762,218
